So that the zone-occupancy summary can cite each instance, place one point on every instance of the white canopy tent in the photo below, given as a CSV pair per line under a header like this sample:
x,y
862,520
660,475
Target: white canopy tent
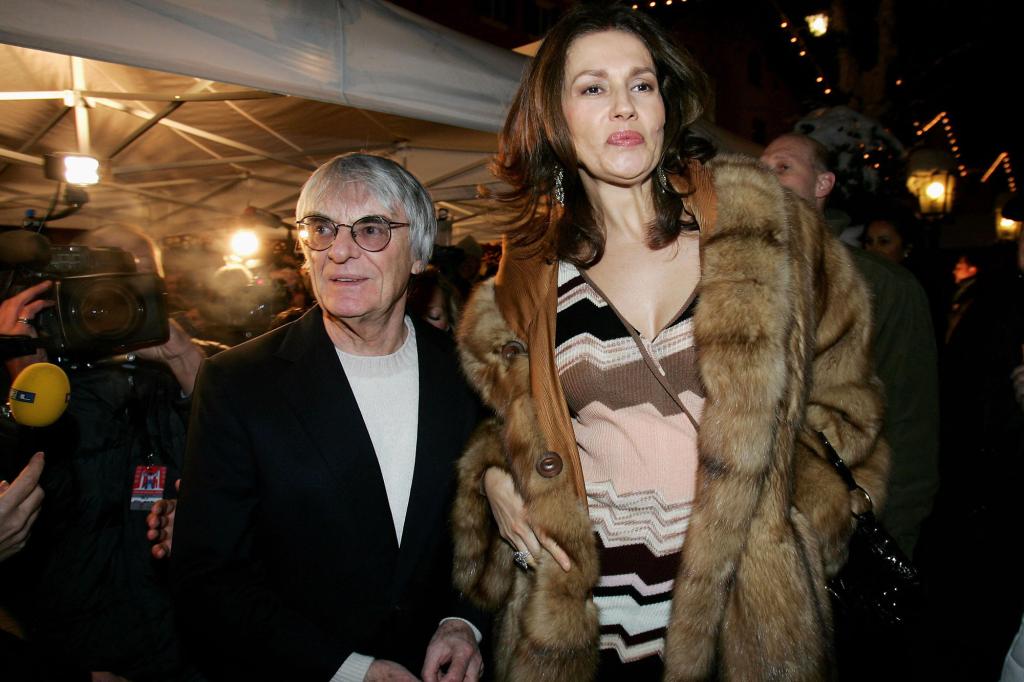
x,y
359,53
189,151
202,109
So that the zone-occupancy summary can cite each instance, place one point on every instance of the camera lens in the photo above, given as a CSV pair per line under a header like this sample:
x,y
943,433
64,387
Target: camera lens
x,y
108,310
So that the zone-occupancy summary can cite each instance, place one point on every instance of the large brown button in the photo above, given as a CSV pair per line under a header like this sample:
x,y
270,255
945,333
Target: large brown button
x,y
549,464
512,349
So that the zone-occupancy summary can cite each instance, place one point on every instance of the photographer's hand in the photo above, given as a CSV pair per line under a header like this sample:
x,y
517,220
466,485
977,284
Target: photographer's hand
x,y
179,353
16,316
160,522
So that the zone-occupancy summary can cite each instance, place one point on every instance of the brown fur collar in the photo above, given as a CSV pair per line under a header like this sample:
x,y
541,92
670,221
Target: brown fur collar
x,y
782,332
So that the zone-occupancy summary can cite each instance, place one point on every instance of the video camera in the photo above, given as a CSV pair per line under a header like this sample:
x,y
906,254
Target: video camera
x,y
103,307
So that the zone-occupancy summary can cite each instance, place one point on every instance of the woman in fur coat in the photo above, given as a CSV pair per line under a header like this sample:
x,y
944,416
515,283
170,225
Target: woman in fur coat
x,y
665,340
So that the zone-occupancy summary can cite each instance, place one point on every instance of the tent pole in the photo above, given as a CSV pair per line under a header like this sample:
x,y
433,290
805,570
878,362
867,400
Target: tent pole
x,y
81,112
209,195
142,129
191,130
27,144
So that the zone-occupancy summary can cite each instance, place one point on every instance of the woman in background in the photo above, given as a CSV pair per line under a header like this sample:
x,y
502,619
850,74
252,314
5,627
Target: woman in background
x,y
888,239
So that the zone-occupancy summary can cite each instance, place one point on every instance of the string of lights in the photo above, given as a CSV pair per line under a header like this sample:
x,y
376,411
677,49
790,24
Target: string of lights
x,y
1010,180
667,3
1002,160
947,128
817,25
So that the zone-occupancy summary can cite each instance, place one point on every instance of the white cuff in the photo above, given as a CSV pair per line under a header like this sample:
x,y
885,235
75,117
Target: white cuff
x,y
353,669
476,633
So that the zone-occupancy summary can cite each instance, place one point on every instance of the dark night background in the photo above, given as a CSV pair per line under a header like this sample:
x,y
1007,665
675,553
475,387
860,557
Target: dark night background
x,y
897,61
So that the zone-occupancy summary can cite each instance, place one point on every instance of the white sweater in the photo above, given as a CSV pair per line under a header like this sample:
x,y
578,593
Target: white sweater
x,y
387,390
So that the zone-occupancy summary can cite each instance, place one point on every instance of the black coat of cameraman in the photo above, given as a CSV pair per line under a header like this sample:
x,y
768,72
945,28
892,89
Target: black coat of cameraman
x,y
93,595
99,597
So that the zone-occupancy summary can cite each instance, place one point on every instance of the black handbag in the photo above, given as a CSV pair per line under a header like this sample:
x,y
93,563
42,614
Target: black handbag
x,y
878,593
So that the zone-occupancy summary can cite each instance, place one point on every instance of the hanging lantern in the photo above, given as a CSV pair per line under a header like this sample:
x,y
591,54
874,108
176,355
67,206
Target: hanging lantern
x,y
1006,229
817,24
931,178
1008,218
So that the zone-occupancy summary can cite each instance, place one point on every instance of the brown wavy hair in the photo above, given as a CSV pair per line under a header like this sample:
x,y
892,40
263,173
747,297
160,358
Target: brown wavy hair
x,y
535,141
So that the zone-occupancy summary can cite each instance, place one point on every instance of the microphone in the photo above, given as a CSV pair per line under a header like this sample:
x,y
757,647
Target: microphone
x,y
39,394
22,248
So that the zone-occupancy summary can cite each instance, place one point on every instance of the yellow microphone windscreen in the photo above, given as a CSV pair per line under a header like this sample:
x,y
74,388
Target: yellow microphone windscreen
x,y
39,395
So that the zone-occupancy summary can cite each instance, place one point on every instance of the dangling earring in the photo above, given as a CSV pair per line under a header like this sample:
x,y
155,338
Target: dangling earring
x,y
663,180
559,191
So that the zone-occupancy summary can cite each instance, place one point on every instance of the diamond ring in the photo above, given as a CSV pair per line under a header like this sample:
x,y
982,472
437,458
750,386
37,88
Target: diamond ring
x,y
521,559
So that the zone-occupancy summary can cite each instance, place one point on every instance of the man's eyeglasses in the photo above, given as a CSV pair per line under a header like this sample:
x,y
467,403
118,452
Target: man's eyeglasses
x,y
370,233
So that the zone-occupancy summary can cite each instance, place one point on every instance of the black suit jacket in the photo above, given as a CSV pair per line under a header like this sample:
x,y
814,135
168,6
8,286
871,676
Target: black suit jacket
x,y
285,557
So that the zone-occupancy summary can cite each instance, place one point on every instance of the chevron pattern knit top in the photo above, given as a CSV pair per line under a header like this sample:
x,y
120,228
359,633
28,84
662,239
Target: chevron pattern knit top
x,y
639,454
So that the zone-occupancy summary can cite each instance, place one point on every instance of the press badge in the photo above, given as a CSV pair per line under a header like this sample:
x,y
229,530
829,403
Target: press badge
x,y
148,486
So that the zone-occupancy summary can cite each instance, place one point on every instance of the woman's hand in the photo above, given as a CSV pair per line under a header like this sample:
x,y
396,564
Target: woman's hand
x,y
513,520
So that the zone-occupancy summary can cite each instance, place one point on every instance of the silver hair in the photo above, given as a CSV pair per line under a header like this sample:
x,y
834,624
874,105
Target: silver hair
x,y
391,184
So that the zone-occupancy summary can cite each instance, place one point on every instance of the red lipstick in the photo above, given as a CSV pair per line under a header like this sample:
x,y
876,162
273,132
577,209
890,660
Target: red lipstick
x,y
625,138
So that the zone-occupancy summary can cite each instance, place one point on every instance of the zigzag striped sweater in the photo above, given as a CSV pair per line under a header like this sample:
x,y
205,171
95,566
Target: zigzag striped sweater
x,y
639,454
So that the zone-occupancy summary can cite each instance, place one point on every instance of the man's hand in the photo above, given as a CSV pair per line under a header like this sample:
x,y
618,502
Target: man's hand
x,y
388,671
160,522
178,344
453,647
20,503
179,354
17,311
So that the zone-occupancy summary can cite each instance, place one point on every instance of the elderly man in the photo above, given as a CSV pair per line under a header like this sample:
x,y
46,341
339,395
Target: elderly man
x,y
311,541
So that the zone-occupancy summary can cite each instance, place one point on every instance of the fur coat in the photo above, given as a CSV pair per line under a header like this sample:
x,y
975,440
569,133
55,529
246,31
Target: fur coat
x,y
782,332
